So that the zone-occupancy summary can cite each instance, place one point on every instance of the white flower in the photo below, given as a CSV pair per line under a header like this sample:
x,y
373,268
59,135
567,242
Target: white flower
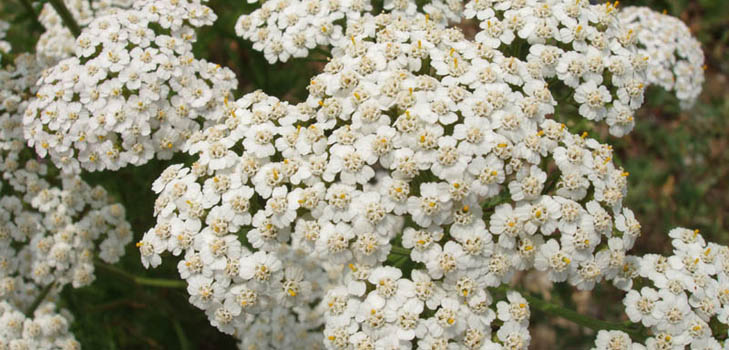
x,y
150,253
672,312
293,287
528,184
641,306
281,207
488,174
446,321
426,290
390,290
613,340
620,118
494,33
444,260
260,267
514,336
506,223
432,206
592,99
542,214
372,215
517,309
407,317
553,260
333,242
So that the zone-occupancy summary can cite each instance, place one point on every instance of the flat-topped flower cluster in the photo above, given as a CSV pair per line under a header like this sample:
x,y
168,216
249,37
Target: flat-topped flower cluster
x,y
132,92
57,42
45,329
677,61
683,297
388,210
601,53
422,170
52,225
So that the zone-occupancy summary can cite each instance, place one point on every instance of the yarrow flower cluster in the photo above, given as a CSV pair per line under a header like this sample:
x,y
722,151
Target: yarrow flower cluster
x,y
442,12
242,285
45,329
594,50
57,42
684,296
677,61
133,90
458,172
572,44
282,29
388,210
51,227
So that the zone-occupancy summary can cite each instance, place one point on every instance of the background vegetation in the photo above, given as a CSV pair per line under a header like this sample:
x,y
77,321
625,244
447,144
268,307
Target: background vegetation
x,y
678,163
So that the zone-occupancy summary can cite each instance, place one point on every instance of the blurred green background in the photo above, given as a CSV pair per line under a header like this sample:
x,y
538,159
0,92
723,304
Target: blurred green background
x,y
678,163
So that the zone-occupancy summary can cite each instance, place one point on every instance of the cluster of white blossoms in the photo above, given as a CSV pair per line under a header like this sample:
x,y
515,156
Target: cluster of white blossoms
x,y
263,286
416,147
132,92
593,50
677,61
46,329
51,226
424,170
572,44
682,297
57,42
282,29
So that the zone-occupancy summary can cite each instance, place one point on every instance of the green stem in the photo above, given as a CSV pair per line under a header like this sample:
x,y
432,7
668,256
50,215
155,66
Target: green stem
x,y
400,251
492,202
181,337
66,16
39,299
34,17
574,316
162,283
142,281
401,262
